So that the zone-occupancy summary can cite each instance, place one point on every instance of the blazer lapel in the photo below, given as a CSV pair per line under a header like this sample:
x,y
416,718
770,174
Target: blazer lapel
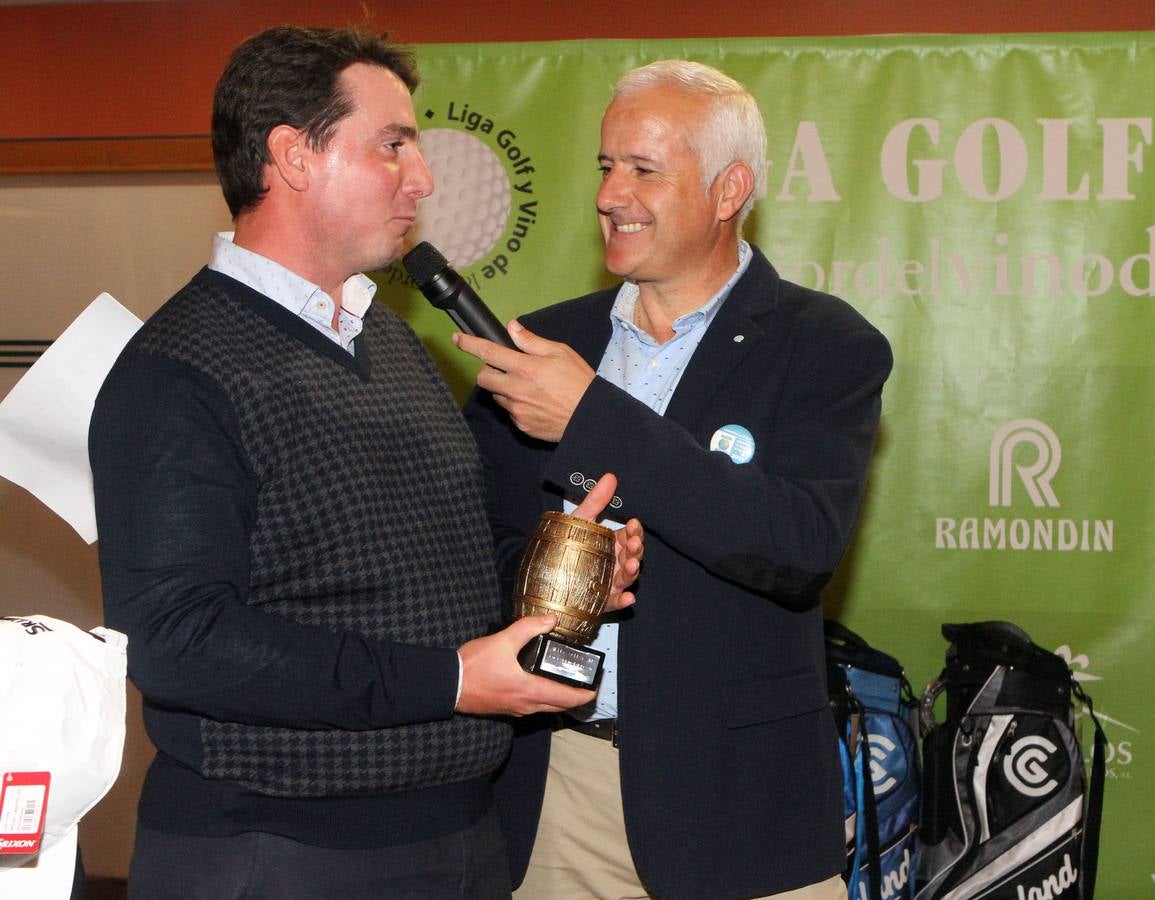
x,y
733,335
591,332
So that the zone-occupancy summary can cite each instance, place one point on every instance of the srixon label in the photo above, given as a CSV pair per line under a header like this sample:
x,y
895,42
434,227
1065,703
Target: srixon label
x,y
23,806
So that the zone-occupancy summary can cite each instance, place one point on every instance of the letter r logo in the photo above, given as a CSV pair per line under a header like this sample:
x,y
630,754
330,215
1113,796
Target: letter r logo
x,y
1035,475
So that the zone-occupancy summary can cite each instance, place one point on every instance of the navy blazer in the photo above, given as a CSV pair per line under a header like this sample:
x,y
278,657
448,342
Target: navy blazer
x,y
730,774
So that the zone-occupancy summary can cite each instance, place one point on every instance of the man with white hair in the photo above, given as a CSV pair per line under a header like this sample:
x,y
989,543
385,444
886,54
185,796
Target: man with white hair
x,y
739,412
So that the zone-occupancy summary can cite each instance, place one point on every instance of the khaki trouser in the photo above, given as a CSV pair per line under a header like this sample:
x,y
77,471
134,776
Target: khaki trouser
x,y
581,849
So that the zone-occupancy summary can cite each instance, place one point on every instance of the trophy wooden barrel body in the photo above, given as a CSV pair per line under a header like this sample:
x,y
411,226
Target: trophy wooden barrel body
x,y
566,570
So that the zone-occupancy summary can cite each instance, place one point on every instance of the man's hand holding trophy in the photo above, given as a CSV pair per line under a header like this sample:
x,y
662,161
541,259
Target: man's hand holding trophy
x,y
576,570
573,570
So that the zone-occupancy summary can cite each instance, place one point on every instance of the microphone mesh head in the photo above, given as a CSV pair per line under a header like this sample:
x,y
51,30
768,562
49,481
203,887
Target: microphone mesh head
x,y
424,262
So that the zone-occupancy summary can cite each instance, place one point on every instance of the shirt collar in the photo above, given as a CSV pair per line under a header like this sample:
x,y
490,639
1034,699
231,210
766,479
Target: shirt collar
x,y
622,311
282,285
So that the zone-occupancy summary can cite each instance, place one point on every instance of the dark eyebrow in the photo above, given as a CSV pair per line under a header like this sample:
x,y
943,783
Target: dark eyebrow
x,y
390,132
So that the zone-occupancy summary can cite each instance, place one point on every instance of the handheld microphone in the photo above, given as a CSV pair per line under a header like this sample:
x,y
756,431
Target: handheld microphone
x,y
447,290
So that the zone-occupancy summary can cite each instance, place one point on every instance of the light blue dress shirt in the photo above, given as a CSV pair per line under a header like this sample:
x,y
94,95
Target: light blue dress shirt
x,y
300,297
649,372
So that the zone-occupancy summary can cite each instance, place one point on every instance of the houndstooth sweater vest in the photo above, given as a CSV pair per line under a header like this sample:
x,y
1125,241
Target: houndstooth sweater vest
x,y
370,519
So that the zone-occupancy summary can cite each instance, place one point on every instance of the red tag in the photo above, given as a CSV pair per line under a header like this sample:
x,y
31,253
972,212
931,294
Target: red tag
x,y
23,807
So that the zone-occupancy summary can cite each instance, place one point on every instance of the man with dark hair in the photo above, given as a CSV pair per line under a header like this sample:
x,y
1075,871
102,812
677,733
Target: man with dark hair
x,y
292,529
290,76
738,411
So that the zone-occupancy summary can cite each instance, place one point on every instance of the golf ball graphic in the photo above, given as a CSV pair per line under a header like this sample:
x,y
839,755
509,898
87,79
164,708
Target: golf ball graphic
x,y
468,210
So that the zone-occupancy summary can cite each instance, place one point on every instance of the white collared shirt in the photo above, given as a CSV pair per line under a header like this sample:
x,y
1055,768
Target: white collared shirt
x,y
288,289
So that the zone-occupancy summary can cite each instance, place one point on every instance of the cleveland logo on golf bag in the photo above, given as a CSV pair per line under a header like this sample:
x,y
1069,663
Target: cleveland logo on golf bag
x,y
1006,814
1025,766
874,708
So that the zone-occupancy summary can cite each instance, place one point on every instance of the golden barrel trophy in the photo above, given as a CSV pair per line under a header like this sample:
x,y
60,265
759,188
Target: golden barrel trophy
x,y
567,569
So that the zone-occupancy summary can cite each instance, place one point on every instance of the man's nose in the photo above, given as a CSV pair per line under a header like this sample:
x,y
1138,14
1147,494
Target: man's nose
x,y
611,192
418,178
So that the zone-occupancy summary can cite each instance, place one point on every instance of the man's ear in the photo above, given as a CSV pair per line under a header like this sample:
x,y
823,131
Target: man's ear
x,y
289,156
737,183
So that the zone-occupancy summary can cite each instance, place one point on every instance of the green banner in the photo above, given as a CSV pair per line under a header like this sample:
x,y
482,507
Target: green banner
x,y
987,202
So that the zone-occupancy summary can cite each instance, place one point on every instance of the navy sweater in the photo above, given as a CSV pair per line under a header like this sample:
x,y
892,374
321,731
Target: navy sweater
x,y
294,541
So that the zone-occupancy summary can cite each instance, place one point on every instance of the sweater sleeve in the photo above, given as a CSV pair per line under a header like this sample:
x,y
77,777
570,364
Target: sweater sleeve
x,y
176,500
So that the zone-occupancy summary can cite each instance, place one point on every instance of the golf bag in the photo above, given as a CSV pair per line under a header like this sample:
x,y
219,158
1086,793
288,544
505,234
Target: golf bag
x,y
875,708
1006,814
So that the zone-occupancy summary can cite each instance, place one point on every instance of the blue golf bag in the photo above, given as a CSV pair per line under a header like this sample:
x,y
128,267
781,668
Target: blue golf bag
x,y
875,710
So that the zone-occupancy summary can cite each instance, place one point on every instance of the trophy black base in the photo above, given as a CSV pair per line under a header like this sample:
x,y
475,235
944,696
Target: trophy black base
x,y
553,657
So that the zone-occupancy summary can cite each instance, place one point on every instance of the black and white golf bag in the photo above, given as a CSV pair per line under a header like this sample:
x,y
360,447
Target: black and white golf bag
x,y
1006,812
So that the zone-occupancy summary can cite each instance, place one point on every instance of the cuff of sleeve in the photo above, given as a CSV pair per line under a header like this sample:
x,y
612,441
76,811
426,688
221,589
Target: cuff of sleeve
x,y
424,681
460,676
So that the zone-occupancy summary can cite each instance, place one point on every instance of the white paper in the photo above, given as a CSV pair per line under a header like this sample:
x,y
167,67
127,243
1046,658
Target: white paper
x,y
44,419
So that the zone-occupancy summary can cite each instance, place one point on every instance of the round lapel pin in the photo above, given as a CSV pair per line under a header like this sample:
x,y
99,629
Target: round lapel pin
x,y
735,441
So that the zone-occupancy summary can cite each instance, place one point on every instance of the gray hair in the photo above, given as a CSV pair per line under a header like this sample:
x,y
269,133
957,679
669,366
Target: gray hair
x,y
738,133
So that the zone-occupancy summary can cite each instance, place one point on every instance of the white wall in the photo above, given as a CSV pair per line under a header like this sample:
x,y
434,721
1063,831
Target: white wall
x,y
63,240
